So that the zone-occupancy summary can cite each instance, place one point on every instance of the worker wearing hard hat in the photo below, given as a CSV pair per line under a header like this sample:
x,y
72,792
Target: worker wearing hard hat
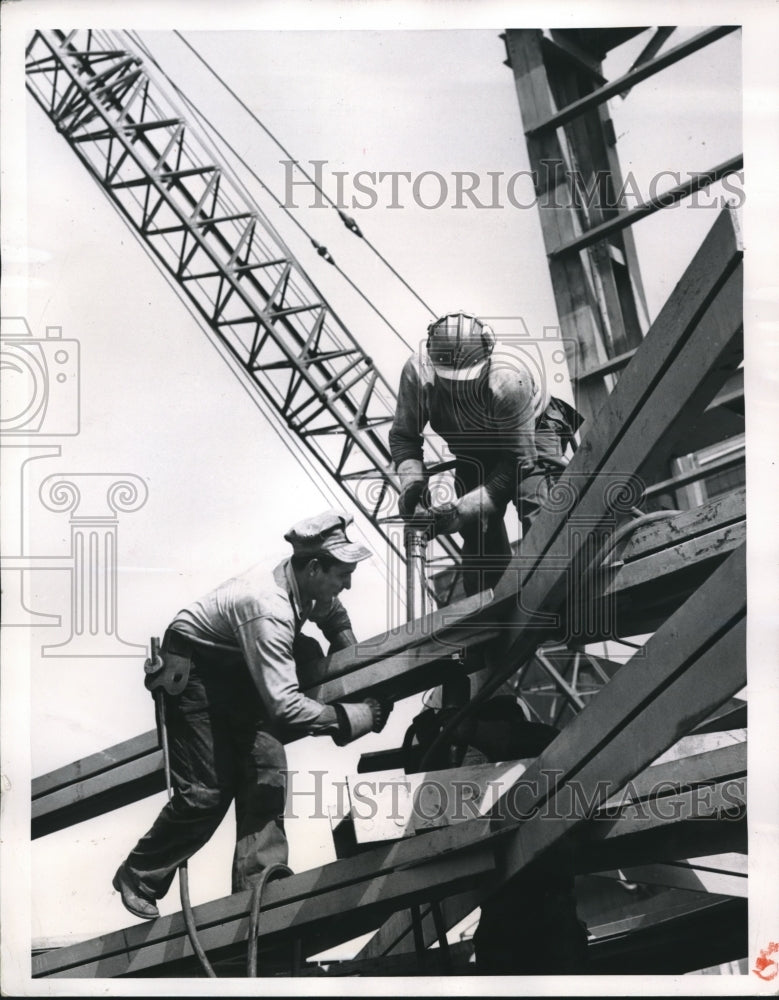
x,y
508,437
243,659
506,431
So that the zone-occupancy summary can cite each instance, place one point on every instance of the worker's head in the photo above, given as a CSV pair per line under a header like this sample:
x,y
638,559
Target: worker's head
x,y
459,346
323,558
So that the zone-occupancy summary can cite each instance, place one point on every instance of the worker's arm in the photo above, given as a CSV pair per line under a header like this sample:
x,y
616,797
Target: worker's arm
x,y
266,642
515,424
405,435
334,622
341,640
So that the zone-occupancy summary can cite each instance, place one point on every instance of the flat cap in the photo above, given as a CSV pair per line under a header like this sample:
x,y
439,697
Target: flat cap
x,y
326,533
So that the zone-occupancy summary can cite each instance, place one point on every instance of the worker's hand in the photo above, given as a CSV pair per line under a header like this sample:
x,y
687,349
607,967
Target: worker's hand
x,y
356,719
381,711
446,519
475,506
412,486
409,498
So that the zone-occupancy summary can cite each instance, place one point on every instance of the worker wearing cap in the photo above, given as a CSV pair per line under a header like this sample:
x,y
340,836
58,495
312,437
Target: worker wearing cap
x,y
246,659
507,433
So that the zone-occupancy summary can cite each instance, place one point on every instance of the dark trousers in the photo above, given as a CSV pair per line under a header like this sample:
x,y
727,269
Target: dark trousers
x,y
486,554
220,752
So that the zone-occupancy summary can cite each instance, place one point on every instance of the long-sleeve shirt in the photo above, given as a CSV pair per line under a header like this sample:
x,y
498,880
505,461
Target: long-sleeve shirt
x,y
491,419
260,617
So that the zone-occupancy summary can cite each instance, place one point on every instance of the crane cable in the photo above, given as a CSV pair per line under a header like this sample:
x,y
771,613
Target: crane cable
x,y
350,224
320,249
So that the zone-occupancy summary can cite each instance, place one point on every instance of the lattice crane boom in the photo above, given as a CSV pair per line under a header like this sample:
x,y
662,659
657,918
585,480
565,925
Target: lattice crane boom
x,y
225,258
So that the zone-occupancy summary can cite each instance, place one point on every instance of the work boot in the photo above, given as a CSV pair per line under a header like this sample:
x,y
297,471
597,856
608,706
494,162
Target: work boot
x,y
138,905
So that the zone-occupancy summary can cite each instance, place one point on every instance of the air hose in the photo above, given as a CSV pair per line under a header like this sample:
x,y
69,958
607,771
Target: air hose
x,y
186,905
484,693
189,920
254,918
153,669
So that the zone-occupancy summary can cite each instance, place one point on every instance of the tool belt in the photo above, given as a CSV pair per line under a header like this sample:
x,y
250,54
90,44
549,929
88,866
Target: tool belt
x,y
169,667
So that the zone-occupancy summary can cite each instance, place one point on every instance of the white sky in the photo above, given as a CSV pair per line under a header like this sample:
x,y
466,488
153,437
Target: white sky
x,y
157,401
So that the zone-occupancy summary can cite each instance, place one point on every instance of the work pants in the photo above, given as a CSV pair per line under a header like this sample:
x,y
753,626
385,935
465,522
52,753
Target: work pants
x,y
221,751
486,554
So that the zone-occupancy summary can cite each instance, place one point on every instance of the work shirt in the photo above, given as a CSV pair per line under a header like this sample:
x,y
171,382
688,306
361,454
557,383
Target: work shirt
x,y
261,617
491,420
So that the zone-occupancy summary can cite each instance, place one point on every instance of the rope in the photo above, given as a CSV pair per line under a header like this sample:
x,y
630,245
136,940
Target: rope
x,y
322,251
254,918
350,224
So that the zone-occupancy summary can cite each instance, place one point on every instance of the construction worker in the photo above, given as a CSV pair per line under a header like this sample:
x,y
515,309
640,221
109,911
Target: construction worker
x,y
240,647
509,436
507,433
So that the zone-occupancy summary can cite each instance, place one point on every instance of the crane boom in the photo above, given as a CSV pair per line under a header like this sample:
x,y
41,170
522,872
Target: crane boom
x,y
225,258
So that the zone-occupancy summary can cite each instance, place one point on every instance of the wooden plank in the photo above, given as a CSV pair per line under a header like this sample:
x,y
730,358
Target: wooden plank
x,y
633,77
655,568
687,378
699,181
732,715
395,935
98,763
358,905
718,513
691,665
706,768
724,798
581,324
688,874
687,349
388,805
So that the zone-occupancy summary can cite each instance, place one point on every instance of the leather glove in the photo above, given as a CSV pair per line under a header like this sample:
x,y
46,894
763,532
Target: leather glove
x,y
475,505
412,486
446,519
381,712
359,718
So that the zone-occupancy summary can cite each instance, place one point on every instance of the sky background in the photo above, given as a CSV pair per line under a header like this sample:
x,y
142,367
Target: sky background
x,y
157,402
